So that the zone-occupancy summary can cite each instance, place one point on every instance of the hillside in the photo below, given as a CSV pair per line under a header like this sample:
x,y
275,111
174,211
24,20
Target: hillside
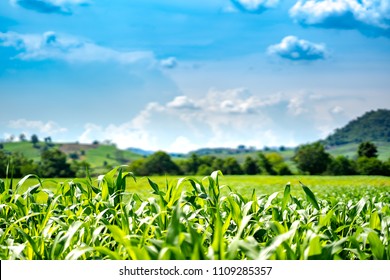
x,y
98,155
373,126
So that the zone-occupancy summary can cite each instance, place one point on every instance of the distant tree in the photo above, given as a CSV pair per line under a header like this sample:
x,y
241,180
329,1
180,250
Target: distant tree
x,y
279,167
34,140
371,166
232,167
1,146
4,159
265,165
367,149
250,166
160,163
80,168
138,167
241,147
218,164
19,165
193,164
54,164
22,137
284,170
96,142
341,165
204,169
74,156
312,158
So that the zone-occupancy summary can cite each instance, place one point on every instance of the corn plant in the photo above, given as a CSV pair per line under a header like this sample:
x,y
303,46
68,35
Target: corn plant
x,y
188,219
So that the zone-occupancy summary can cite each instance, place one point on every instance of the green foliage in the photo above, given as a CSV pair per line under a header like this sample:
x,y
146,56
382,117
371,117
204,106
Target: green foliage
x,y
19,164
159,163
341,165
34,139
312,158
231,166
54,164
367,149
279,167
265,165
199,219
372,166
250,166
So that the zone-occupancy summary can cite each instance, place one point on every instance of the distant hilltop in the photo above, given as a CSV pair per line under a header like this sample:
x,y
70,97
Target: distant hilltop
x,y
372,126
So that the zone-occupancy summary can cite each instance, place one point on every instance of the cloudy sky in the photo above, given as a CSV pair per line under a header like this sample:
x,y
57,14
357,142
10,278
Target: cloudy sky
x,y
179,75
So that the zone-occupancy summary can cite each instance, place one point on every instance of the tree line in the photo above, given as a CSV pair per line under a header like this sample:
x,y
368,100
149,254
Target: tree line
x,y
311,159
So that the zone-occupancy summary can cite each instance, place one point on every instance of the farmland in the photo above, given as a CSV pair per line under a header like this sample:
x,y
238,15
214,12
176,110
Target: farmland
x,y
115,216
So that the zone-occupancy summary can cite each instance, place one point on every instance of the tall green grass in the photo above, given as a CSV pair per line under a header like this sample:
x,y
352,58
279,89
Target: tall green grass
x,y
190,218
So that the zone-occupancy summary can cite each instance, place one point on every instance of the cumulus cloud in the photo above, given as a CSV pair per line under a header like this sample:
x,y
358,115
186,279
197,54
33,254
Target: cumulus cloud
x,y
371,17
169,62
64,7
50,45
124,135
254,6
48,128
182,102
296,49
224,118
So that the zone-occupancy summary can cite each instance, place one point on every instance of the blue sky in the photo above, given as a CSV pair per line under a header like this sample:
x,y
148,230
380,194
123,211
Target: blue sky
x,y
180,75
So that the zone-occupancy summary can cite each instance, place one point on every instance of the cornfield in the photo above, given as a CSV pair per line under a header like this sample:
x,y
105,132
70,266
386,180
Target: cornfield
x,y
191,219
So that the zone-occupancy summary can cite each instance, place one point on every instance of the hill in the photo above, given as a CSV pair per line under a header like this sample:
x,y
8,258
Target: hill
x,y
373,126
97,155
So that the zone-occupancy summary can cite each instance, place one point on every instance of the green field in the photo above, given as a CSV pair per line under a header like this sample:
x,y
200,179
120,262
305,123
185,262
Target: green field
x,y
245,184
99,156
215,217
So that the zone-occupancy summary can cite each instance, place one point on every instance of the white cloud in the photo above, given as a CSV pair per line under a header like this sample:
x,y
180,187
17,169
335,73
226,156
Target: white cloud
x,y
169,62
182,102
371,17
337,110
224,118
296,49
254,6
296,105
49,45
49,128
182,145
51,6
123,135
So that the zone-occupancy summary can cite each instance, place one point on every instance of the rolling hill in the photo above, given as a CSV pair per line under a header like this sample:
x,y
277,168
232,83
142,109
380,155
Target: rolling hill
x,y
373,126
97,155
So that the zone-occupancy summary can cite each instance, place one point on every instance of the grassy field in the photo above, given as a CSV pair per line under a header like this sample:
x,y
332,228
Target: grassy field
x,y
245,184
350,150
215,217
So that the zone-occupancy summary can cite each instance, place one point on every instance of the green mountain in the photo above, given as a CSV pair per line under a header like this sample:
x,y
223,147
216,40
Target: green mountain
x,y
373,126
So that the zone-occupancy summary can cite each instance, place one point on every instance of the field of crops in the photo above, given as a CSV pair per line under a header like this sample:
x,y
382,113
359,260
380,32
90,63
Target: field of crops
x,y
193,218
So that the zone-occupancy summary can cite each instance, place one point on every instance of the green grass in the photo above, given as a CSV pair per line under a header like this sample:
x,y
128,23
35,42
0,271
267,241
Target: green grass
x,y
109,154
245,184
97,155
115,216
350,150
26,148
